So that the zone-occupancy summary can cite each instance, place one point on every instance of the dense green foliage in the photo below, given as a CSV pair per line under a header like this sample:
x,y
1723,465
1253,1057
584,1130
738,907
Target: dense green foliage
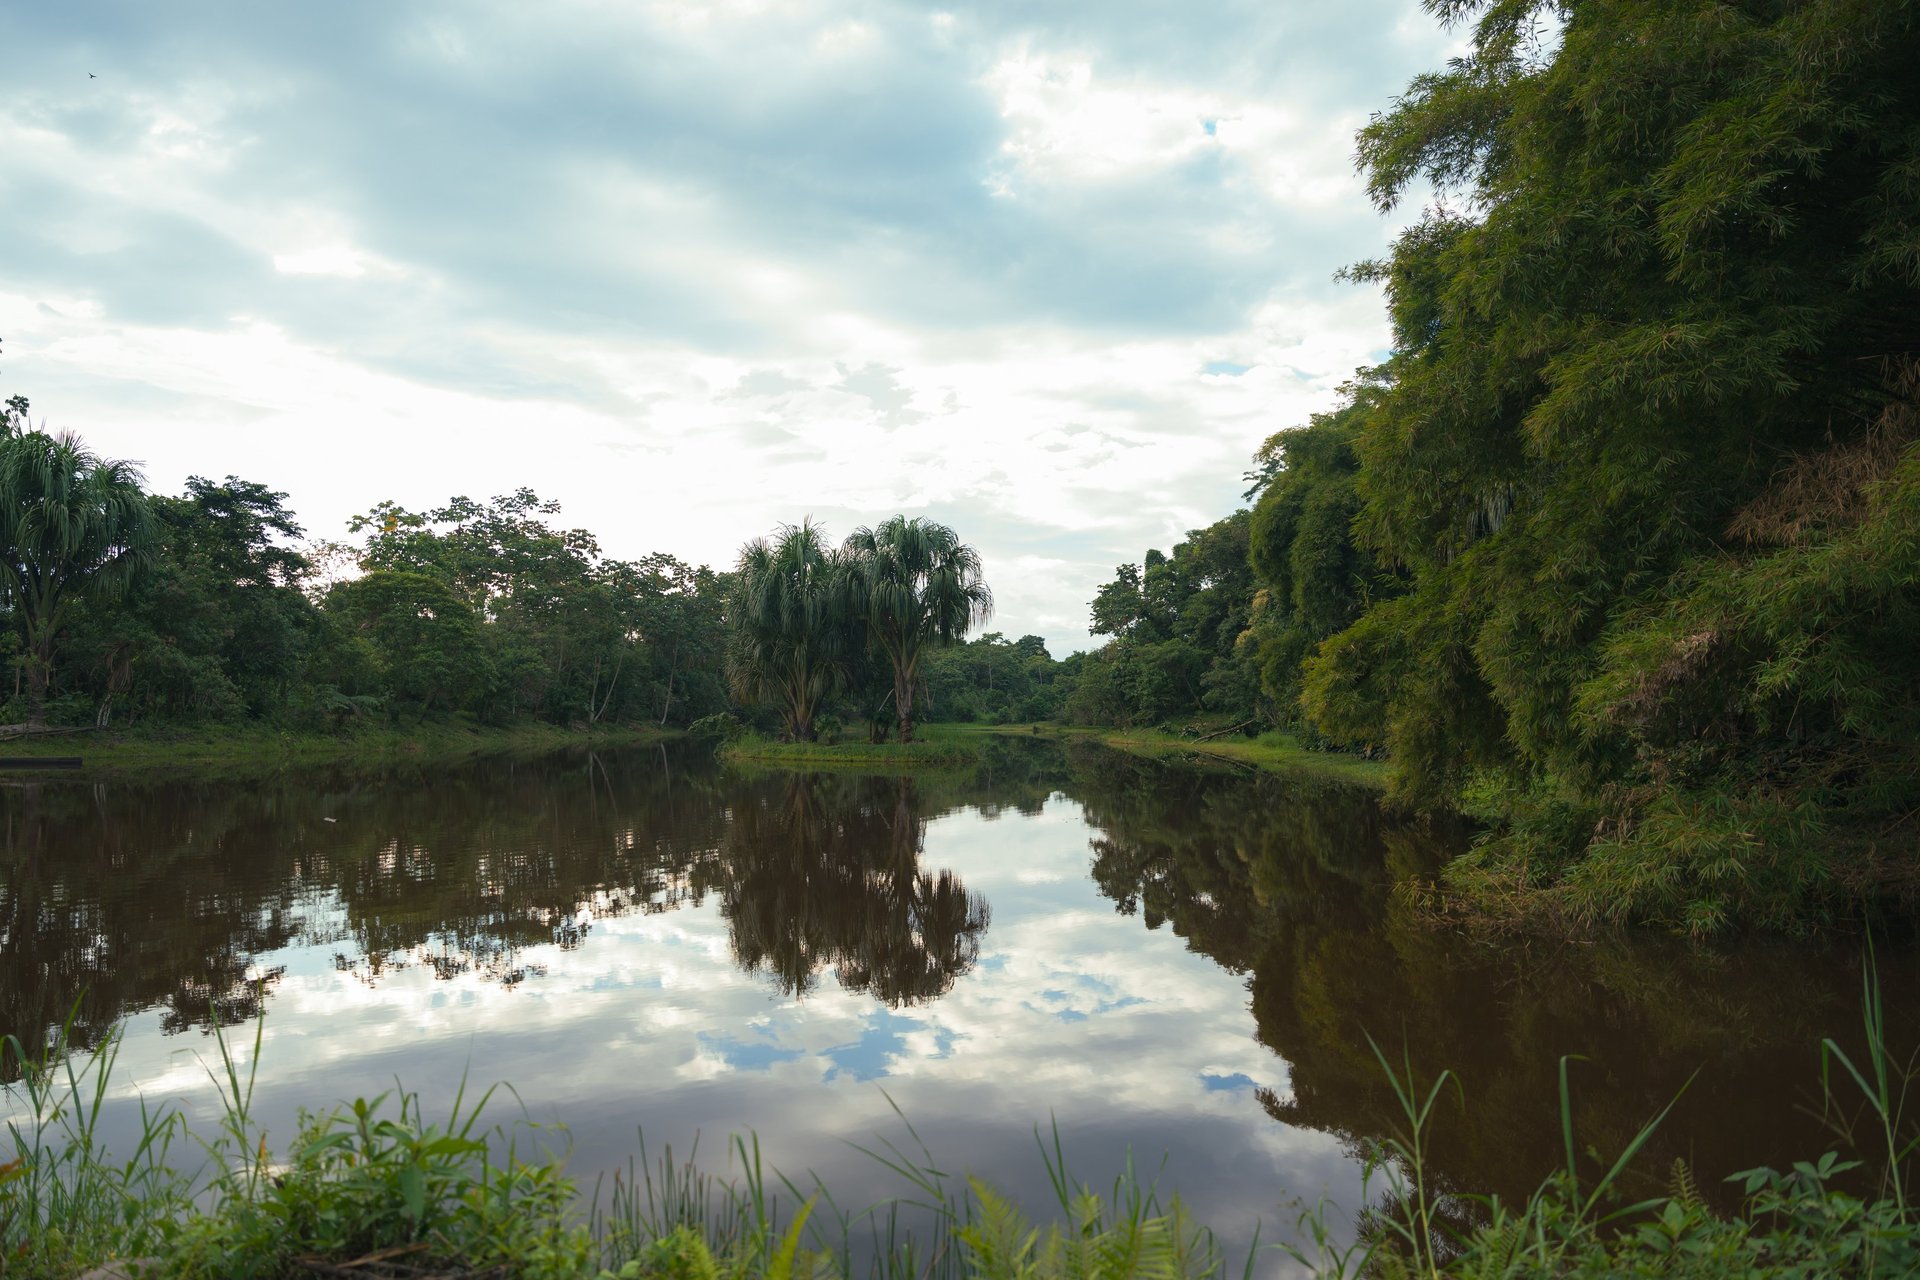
x,y
1620,549
73,527
1216,633
1315,579
131,608
564,633
1647,458
812,623
1177,624
997,680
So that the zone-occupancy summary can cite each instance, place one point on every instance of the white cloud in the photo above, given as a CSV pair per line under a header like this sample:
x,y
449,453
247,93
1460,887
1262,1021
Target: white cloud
x,y
1066,124
445,250
1062,123
327,260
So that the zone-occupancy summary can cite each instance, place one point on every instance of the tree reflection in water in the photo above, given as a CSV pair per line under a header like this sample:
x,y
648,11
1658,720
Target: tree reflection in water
x,y
824,872
128,895
1293,884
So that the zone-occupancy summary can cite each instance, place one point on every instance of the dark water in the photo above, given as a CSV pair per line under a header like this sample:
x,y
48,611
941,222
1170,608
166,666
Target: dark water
x,y
1178,962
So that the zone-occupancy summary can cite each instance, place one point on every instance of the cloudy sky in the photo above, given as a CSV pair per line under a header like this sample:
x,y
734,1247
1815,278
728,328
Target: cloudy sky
x,y
1049,272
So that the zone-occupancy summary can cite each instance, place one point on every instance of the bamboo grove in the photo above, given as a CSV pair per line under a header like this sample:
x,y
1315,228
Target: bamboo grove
x,y
1619,550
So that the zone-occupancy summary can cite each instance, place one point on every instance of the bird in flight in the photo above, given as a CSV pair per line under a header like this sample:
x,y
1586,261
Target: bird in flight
x,y
92,76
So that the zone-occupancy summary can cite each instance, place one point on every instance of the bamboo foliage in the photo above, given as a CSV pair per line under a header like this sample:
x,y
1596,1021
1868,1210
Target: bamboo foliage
x,y
1639,464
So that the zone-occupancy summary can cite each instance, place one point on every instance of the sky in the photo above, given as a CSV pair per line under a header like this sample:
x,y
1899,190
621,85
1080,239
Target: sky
x,y
1048,272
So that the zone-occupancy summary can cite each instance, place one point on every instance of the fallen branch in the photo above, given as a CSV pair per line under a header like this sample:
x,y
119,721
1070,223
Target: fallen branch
x,y
8,732
1222,732
385,1264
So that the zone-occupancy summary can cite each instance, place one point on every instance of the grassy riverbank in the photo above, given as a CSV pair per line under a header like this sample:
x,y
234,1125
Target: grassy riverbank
x,y
249,749
934,746
939,745
1274,751
378,1189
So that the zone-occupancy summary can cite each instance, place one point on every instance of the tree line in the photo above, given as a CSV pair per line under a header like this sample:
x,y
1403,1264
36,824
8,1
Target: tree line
x,y
132,607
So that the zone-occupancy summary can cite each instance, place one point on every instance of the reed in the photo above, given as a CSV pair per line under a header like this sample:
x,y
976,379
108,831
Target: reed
x,y
64,1200
1795,1223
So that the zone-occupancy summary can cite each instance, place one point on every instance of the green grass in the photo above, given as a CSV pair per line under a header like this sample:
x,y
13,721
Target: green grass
x,y
1274,751
247,749
934,746
378,1188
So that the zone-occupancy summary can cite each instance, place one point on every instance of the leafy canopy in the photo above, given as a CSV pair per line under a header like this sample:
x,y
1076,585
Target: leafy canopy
x,y
915,586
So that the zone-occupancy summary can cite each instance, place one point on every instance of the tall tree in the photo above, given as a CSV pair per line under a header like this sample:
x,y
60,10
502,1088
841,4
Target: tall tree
x,y
73,526
788,625
426,640
1180,625
219,628
1314,580
915,585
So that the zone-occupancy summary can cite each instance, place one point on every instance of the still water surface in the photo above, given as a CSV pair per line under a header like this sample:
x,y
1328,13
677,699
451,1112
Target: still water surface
x,y
1176,961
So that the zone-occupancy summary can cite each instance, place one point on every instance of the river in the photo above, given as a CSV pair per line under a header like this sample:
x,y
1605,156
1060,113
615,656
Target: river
x,y
1180,962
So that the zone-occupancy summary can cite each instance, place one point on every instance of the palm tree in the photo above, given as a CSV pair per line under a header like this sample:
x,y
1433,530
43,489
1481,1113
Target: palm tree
x,y
914,583
788,626
73,527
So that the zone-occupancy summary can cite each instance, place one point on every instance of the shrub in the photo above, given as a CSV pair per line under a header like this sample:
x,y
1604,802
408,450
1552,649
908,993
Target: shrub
x,y
722,726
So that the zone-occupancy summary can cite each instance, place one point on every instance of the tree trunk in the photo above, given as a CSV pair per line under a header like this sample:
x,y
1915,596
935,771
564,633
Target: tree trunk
x,y
799,716
612,683
39,668
673,664
903,703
